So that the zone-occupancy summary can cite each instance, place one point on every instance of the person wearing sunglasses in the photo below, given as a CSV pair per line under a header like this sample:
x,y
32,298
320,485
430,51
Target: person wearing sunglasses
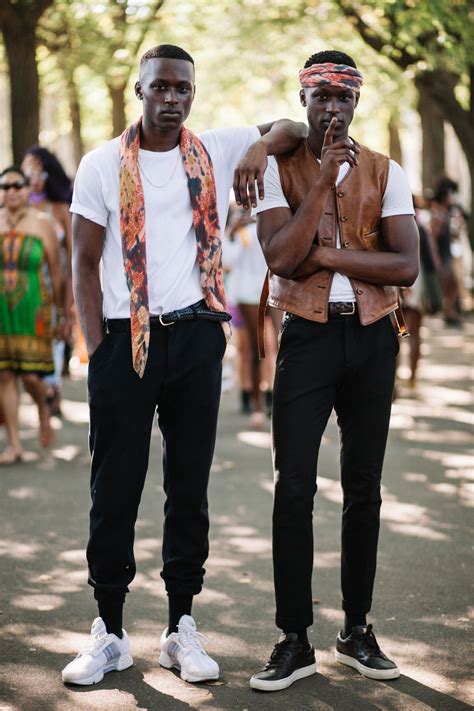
x,y
28,252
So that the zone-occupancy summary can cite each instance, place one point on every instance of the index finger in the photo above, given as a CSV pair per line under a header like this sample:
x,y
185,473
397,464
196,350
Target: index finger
x,y
329,135
236,186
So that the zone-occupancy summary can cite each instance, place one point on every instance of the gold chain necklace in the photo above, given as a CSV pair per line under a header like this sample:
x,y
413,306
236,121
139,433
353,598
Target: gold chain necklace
x,y
154,185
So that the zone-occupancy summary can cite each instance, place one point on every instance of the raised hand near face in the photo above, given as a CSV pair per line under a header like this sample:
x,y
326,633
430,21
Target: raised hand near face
x,y
333,155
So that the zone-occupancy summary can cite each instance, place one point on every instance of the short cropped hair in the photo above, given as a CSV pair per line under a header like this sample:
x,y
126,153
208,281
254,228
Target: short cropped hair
x,y
166,51
331,56
15,169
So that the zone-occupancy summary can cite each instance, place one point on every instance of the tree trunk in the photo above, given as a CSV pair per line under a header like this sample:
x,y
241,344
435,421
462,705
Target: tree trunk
x,y
395,145
20,45
440,87
75,114
117,95
432,128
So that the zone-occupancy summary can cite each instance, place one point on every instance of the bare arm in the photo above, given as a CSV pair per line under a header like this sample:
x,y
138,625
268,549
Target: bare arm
x,y
51,249
286,239
87,244
65,220
398,266
276,138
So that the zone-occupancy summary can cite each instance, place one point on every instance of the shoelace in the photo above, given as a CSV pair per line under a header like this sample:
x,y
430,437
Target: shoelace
x,y
281,651
192,640
94,642
371,641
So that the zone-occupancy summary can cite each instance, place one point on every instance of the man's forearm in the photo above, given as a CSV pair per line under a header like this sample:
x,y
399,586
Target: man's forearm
x,y
283,136
88,298
287,249
382,268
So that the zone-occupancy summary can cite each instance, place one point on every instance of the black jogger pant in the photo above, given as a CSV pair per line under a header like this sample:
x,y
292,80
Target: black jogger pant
x,y
349,367
182,383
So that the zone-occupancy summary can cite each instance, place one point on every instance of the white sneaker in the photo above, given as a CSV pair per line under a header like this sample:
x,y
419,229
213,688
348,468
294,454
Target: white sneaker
x,y
103,653
183,650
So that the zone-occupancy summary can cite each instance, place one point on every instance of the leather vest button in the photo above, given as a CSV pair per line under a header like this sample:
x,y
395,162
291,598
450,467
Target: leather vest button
x,y
344,218
347,244
340,193
360,291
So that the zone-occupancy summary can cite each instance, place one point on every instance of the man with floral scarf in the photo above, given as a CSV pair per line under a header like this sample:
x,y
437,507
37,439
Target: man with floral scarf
x,y
148,208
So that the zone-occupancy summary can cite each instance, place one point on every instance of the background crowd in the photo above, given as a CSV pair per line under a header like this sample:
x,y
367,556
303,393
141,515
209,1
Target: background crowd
x,y
38,329
38,324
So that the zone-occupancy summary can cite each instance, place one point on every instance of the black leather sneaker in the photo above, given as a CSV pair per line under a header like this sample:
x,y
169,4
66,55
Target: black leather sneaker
x,y
288,662
361,651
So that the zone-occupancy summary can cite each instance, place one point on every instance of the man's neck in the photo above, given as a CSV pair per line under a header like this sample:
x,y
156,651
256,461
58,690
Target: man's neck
x,y
154,139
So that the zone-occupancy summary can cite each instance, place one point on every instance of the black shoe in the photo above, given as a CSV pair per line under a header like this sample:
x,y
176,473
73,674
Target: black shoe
x,y
288,662
361,651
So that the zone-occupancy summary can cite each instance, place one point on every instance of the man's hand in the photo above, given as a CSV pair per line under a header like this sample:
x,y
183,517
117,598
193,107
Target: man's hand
x,y
333,155
251,168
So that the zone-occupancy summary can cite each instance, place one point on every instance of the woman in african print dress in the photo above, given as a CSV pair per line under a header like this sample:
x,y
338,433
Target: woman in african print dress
x,y
28,247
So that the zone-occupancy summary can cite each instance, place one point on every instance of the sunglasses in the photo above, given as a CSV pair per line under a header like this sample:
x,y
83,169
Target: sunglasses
x,y
17,185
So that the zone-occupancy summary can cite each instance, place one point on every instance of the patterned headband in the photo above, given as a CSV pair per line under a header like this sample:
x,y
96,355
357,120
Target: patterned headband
x,y
336,74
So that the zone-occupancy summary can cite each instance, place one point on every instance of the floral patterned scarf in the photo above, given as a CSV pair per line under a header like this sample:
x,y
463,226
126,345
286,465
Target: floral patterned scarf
x,y
202,192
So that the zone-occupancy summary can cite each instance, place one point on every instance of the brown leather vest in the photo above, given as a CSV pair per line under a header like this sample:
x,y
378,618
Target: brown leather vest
x,y
355,206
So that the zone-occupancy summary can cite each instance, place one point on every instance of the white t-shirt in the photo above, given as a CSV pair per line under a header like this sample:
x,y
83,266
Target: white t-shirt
x,y
171,250
397,200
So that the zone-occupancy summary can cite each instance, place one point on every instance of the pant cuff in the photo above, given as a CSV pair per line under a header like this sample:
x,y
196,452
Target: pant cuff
x,y
293,623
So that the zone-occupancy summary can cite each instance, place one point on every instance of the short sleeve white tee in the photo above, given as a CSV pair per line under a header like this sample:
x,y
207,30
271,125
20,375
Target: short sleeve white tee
x,y
171,250
397,200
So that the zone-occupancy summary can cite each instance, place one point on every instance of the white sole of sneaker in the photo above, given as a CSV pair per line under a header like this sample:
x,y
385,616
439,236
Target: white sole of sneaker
x,y
262,685
378,674
168,663
122,663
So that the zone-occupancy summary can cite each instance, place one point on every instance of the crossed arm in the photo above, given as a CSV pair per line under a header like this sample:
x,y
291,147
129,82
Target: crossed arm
x,y
287,243
287,239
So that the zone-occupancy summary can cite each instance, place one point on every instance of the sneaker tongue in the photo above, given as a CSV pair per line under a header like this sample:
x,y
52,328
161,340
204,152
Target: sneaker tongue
x,y
186,624
288,636
98,627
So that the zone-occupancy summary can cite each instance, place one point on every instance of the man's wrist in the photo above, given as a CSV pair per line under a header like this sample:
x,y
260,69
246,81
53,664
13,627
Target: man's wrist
x,y
324,183
266,142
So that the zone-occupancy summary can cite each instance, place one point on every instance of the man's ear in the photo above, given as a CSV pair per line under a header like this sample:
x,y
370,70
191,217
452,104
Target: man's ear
x,y
138,91
356,100
302,97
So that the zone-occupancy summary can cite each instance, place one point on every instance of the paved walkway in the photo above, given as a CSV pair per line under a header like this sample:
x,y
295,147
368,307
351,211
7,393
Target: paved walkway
x,y
421,610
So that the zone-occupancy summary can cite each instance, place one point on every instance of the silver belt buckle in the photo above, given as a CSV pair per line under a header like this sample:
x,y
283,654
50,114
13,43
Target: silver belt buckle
x,y
160,318
349,313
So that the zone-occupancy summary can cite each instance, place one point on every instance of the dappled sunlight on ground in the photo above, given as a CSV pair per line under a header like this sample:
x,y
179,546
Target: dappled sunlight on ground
x,y
420,611
255,439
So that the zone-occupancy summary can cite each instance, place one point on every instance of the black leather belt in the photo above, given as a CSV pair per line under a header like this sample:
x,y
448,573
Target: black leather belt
x,y
194,312
341,308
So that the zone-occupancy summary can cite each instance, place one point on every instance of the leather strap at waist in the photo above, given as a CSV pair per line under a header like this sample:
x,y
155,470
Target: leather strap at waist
x,y
342,308
194,312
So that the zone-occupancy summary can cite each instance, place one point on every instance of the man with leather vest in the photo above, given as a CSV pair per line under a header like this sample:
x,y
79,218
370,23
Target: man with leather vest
x,y
337,230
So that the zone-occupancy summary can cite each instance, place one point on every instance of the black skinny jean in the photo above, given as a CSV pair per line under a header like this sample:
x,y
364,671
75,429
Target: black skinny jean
x,y
182,383
351,368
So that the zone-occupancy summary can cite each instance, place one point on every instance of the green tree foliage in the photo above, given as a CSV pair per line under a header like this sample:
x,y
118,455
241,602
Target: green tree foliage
x,y
103,37
434,39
